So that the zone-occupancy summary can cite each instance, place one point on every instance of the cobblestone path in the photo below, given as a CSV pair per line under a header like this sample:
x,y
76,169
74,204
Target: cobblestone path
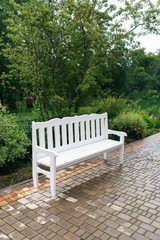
x,y
95,200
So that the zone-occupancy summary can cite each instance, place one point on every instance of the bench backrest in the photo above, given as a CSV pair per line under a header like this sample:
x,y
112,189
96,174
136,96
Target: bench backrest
x,y
70,132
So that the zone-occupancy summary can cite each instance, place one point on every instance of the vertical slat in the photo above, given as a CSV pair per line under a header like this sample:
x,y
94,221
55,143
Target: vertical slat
x,y
34,134
82,131
106,126
102,127
70,133
93,128
87,129
64,135
34,156
76,132
50,137
97,126
42,137
57,136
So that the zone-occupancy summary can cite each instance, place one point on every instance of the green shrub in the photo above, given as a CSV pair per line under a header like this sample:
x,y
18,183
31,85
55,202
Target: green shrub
x,y
147,118
87,110
112,105
13,139
132,123
156,122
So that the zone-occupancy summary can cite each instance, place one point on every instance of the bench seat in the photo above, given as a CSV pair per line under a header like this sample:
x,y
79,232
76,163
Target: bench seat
x,y
77,154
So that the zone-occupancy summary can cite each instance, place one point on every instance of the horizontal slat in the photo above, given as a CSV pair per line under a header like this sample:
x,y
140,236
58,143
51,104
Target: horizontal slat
x,y
47,173
67,120
82,153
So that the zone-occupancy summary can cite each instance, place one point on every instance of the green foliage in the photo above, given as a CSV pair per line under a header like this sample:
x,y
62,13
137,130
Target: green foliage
x,y
112,105
152,109
156,122
147,118
13,140
65,52
130,122
87,110
143,78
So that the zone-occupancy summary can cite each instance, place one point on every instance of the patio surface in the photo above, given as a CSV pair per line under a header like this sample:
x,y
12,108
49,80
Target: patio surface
x,y
95,200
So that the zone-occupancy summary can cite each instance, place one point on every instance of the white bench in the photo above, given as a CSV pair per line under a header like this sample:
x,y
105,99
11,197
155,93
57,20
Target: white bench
x,y
59,143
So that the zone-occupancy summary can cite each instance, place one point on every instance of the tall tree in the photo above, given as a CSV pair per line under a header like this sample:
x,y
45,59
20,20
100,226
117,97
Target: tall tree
x,y
64,52
9,93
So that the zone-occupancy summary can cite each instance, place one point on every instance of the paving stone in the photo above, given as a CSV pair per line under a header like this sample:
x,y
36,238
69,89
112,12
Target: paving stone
x,y
124,216
2,222
144,219
41,220
8,208
9,219
125,230
16,235
16,214
124,237
31,214
71,236
19,226
117,208
152,236
39,237
141,231
6,228
3,236
34,225
155,224
138,236
97,233
52,236
105,201
157,232
85,235
81,209
53,218
28,232
46,233
64,224
23,201
58,238
70,199
148,227
79,232
112,232
43,212
75,221
111,224
73,229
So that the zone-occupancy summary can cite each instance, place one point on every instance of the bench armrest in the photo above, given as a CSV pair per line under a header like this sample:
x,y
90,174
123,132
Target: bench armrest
x,y
118,133
46,151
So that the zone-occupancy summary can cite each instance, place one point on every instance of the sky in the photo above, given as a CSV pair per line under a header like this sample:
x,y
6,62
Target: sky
x,y
150,42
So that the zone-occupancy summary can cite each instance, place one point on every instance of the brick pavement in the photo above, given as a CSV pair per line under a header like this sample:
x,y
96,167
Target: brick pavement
x,y
95,200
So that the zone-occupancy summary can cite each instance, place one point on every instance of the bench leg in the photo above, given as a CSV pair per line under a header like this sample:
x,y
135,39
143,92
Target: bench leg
x,y
121,154
105,155
53,178
35,179
34,173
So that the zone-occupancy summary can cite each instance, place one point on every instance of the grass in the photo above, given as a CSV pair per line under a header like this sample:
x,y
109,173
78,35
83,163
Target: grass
x,y
16,176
